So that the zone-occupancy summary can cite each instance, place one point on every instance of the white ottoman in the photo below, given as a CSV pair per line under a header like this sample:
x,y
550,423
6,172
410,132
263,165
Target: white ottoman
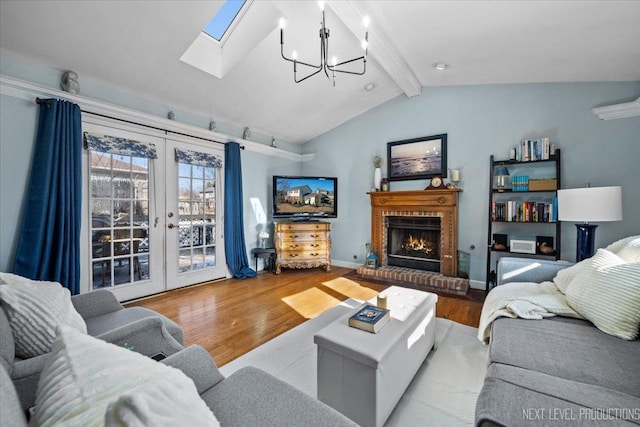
x,y
363,375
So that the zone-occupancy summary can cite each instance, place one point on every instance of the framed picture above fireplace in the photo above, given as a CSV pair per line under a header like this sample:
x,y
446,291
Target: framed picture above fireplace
x,y
417,158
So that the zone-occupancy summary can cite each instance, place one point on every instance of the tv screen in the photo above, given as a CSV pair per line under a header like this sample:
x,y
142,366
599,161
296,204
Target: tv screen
x,y
305,197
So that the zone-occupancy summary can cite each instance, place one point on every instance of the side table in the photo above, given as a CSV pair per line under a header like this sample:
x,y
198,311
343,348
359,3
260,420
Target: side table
x,y
269,256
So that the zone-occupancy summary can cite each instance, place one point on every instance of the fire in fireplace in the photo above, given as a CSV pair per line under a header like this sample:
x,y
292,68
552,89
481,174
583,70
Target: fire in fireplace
x,y
414,242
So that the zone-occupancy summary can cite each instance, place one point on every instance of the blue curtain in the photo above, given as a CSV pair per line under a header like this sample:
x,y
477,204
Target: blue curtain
x,y
235,249
49,242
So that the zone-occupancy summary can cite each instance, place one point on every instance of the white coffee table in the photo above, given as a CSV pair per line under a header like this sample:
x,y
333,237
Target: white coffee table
x,y
363,375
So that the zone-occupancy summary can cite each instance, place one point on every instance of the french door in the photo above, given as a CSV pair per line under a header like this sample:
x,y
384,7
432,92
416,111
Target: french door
x,y
195,250
151,222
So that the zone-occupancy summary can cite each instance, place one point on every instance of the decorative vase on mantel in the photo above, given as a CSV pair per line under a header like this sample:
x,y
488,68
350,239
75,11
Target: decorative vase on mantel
x,y
377,178
377,173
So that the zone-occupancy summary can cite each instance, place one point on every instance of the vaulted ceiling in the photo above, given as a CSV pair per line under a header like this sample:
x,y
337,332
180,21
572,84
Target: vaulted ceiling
x,y
137,46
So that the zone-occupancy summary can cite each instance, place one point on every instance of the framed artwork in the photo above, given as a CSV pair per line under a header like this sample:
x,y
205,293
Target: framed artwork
x,y
417,158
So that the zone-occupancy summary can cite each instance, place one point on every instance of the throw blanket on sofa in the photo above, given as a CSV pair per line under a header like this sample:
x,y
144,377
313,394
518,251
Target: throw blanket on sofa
x,y
524,300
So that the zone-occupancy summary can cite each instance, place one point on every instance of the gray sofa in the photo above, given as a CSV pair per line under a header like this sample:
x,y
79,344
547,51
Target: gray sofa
x,y
249,397
144,330
556,371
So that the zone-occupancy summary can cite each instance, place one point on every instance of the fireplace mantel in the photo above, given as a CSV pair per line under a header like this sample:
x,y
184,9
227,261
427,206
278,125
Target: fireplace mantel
x,y
430,203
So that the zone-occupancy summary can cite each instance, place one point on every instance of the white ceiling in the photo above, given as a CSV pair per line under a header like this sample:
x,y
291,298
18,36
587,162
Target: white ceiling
x,y
137,45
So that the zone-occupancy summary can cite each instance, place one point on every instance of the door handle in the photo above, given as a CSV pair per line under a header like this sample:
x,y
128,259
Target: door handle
x,y
170,226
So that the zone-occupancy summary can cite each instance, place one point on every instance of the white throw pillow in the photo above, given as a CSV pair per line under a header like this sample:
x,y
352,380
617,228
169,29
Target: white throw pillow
x,y
631,251
606,291
34,309
619,244
566,275
88,382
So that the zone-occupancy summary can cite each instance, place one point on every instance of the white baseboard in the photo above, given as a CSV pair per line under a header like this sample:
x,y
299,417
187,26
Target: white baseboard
x,y
346,264
477,284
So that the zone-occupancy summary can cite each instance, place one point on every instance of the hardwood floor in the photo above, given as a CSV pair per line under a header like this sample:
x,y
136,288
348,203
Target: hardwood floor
x,y
232,317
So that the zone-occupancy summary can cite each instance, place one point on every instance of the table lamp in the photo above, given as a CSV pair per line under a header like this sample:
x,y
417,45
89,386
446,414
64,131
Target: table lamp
x,y
589,204
501,177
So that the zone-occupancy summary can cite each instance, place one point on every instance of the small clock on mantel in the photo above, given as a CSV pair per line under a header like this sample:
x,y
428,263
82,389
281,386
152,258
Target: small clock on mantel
x,y
437,183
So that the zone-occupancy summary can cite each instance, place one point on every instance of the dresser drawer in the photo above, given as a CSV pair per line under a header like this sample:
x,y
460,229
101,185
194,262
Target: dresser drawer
x,y
292,244
295,255
302,226
304,236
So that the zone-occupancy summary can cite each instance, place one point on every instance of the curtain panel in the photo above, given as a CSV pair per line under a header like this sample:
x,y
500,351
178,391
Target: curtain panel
x,y
234,243
49,242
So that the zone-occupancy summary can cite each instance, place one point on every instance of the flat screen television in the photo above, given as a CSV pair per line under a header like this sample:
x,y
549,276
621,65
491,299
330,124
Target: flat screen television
x,y
305,198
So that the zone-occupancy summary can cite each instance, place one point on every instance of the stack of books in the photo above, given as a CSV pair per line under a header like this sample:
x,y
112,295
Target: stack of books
x,y
370,318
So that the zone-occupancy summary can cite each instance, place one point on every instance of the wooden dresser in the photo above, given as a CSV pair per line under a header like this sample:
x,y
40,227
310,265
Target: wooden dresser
x,y
303,245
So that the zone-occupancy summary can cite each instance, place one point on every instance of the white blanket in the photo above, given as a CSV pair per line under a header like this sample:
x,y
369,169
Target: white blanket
x,y
525,300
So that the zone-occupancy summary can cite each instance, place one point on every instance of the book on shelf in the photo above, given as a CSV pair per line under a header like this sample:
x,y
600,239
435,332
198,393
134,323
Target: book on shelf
x,y
370,318
524,211
532,150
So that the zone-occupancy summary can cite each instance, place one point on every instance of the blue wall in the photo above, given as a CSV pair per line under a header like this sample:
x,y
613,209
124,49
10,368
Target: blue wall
x,y
18,121
480,121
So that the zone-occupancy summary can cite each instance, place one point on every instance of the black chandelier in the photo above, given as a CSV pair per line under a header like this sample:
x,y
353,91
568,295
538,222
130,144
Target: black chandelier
x,y
332,68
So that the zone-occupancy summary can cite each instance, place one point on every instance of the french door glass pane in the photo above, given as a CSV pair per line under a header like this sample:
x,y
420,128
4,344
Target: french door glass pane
x,y
119,219
197,217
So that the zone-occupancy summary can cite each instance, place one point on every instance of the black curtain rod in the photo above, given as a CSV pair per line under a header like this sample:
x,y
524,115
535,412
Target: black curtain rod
x,y
47,101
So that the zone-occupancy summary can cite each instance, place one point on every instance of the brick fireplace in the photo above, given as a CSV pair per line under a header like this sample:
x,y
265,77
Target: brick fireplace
x,y
425,256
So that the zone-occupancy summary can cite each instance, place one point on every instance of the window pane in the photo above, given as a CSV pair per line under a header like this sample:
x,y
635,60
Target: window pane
x,y
184,170
210,236
198,259
197,171
101,186
184,260
122,271
121,187
141,268
141,213
101,274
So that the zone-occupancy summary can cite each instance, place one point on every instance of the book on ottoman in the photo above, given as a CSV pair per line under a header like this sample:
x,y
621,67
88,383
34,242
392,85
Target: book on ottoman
x,y
370,318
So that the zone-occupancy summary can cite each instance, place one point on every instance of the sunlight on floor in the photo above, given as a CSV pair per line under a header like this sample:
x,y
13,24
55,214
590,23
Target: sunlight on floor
x,y
351,289
311,302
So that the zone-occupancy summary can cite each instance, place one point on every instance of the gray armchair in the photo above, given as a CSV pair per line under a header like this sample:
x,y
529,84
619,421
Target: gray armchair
x,y
143,330
512,269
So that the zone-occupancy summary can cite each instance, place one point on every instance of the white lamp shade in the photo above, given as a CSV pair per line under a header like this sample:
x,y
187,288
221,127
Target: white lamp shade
x,y
591,204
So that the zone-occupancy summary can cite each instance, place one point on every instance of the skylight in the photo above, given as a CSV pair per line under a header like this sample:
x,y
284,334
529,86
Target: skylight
x,y
223,19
